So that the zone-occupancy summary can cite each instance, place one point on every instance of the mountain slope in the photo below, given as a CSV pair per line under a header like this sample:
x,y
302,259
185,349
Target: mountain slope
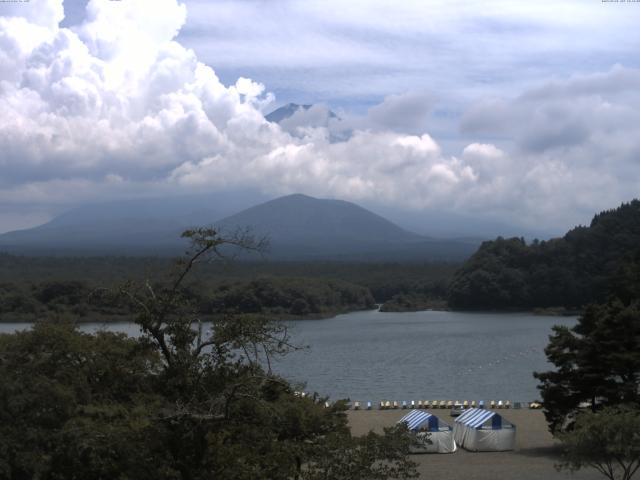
x,y
133,227
570,271
299,226
300,218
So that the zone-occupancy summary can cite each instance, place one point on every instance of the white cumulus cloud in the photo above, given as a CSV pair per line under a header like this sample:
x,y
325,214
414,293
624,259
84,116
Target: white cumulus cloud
x,y
101,102
117,106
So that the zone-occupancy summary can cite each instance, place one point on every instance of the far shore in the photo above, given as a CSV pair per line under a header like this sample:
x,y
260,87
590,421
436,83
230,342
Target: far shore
x,y
542,312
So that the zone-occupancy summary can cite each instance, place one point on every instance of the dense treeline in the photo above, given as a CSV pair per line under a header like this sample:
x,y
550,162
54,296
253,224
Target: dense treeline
x,y
418,296
26,302
384,280
39,287
275,297
288,296
413,302
571,271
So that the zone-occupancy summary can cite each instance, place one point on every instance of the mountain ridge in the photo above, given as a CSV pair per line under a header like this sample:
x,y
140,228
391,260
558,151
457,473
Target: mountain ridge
x,y
300,227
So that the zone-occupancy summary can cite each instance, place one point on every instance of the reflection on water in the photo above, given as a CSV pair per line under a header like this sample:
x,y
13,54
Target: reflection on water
x,y
423,355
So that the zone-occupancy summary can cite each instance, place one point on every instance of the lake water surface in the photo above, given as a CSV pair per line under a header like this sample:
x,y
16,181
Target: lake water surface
x,y
409,356
423,355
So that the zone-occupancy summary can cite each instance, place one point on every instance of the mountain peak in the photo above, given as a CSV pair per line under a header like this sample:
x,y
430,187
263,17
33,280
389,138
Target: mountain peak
x,y
304,227
288,110
296,196
300,227
302,219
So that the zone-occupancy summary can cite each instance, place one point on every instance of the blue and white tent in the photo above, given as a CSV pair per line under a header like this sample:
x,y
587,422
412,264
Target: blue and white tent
x,y
482,430
430,434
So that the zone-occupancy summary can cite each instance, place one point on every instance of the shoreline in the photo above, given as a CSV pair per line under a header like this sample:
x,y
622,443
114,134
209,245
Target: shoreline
x,y
544,312
540,312
204,318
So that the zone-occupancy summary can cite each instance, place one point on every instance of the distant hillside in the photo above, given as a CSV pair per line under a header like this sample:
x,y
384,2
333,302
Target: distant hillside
x,y
570,271
302,219
299,227
133,227
302,227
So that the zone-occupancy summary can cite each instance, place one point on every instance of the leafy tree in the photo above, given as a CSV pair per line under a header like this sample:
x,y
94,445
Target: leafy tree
x,y
608,441
72,404
177,403
334,462
598,360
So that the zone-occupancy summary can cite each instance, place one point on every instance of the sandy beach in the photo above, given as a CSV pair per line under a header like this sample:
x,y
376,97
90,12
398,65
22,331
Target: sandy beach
x,y
534,457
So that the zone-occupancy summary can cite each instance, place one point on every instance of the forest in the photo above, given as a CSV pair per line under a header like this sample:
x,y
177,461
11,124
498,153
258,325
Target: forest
x,y
569,272
33,288
276,297
504,274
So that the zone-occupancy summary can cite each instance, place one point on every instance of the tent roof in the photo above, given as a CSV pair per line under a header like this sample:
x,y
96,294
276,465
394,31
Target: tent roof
x,y
416,419
476,417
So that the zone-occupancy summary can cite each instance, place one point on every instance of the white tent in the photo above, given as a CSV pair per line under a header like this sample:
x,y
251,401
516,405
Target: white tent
x,y
430,434
482,430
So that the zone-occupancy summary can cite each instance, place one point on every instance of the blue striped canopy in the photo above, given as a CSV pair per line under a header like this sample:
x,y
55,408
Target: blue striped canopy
x,y
477,417
417,419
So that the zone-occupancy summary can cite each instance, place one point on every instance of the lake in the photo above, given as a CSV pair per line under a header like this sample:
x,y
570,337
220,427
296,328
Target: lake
x,y
423,355
409,356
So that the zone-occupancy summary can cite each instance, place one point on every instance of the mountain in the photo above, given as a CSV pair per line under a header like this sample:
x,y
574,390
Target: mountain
x,y
299,228
303,227
133,227
570,271
286,111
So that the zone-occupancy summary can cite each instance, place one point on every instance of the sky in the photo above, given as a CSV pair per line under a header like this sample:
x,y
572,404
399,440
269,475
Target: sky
x,y
526,113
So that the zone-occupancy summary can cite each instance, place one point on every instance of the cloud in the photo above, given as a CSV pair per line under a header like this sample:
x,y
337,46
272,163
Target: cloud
x,y
562,114
128,101
98,112
363,50
401,112
574,142
47,13
397,168
305,118
98,105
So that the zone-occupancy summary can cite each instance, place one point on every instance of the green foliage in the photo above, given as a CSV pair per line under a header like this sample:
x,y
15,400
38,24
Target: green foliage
x,y
361,462
42,287
282,297
383,279
571,271
176,403
28,302
69,398
598,360
608,441
413,302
